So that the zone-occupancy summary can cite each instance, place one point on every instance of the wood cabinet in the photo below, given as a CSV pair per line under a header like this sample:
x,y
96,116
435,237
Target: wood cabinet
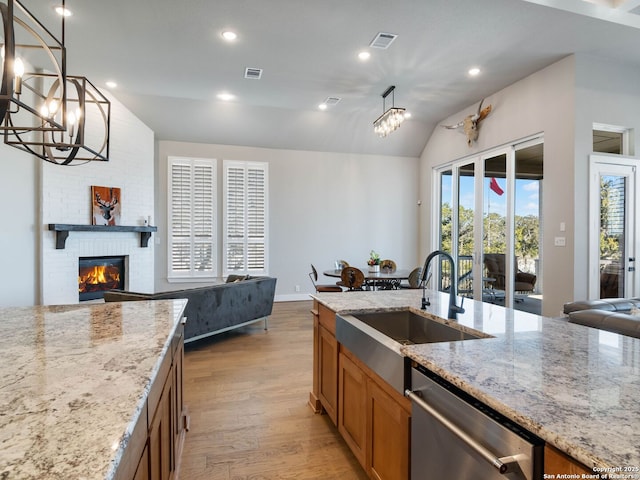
x,y
160,436
370,415
389,433
324,396
352,406
374,420
155,447
556,463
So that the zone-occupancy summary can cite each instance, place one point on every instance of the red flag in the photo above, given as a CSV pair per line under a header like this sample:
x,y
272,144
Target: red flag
x,y
493,185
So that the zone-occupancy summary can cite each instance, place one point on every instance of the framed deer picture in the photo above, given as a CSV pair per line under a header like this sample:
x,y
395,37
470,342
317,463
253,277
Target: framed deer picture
x,y
106,205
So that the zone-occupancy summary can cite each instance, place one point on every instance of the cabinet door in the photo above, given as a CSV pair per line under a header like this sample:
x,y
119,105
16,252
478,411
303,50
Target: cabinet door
x,y
142,472
328,372
161,436
389,435
556,463
352,408
178,406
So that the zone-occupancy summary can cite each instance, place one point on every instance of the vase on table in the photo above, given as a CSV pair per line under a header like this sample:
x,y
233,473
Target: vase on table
x,y
374,268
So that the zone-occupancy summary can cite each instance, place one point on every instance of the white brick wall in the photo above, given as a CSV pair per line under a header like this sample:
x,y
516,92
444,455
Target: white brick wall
x,y
66,198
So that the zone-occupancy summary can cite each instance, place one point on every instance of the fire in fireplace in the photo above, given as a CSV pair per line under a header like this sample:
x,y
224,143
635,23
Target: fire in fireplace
x,y
99,274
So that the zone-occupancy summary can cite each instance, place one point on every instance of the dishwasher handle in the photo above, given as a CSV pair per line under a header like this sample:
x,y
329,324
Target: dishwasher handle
x,y
504,465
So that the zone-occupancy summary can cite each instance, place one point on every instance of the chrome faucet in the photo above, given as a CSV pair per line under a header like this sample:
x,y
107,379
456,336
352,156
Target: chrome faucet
x,y
453,289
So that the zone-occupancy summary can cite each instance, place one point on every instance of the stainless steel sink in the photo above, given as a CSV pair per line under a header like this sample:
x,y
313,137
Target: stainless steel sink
x,y
407,327
376,338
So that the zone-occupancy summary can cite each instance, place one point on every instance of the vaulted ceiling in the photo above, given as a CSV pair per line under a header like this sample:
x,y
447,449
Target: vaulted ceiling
x,y
170,62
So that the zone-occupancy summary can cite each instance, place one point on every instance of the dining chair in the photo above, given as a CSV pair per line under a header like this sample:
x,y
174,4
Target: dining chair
x,y
351,278
313,275
388,266
414,279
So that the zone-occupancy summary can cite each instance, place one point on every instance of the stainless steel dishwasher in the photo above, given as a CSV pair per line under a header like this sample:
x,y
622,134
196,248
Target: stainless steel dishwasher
x,y
454,436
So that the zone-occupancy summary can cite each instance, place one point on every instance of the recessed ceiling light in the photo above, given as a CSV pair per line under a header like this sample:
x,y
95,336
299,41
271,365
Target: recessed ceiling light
x,y
229,36
475,71
364,56
407,114
63,11
322,106
225,96
111,84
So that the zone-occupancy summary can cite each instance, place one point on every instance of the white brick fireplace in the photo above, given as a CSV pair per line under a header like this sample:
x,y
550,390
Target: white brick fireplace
x,y
66,198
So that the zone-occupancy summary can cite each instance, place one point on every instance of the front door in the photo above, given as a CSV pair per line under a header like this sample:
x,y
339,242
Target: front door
x,y
612,231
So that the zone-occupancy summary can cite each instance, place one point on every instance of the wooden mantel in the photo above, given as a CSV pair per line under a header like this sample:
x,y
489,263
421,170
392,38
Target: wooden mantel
x,y
62,231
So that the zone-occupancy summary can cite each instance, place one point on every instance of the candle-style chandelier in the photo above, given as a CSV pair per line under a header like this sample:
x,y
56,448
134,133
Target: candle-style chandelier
x,y
43,111
390,119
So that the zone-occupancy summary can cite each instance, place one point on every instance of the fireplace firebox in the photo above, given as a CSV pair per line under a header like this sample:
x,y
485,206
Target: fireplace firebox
x,y
99,274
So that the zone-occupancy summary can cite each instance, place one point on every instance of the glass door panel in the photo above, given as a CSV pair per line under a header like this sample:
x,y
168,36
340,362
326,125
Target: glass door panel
x,y
465,223
446,229
528,228
613,212
494,228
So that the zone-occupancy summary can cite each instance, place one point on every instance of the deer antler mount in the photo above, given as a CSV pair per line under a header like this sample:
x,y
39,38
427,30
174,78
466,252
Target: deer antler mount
x,y
471,123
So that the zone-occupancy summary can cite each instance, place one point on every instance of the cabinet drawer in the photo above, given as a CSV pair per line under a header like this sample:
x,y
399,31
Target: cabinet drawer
x,y
327,318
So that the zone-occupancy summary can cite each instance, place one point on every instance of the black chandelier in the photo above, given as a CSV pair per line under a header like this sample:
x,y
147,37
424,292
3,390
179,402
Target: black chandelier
x,y
59,118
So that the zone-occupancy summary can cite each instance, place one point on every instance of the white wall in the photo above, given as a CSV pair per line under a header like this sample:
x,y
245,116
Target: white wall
x,y
322,207
543,102
606,92
19,231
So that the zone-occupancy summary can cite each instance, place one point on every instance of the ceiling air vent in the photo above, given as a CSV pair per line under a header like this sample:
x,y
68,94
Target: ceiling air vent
x,y
383,40
253,73
331,101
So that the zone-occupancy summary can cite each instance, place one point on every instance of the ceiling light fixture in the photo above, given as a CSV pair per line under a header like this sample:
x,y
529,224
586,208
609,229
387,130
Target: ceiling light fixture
x,y
322,106
229,36
58,118
111,84
225,96
364,56
61,10
390,119
475,71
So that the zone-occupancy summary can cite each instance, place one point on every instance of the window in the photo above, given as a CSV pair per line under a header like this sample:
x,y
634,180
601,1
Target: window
x,y
245,216
192,218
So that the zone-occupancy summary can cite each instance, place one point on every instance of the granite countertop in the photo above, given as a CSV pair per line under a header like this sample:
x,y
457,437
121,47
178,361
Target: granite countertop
x,y
73,383
576,387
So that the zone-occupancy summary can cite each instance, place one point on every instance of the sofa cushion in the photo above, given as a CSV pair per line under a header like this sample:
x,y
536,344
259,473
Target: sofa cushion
x,y
236,278
622,323
607,304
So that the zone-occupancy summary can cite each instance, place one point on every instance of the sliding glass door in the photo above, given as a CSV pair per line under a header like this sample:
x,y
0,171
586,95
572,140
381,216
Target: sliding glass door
x,y
490,222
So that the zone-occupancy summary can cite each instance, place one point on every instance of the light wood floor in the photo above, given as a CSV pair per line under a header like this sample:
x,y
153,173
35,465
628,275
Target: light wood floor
x,y
247,394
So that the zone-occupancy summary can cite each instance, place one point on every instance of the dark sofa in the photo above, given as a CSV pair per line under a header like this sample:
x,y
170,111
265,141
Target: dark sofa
x,y
610,314
216,308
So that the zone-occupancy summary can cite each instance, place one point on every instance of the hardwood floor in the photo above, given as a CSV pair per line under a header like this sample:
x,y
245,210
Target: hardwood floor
x,y
247,394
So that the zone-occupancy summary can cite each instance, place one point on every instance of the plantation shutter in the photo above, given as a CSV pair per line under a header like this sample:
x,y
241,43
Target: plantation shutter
x,y
191,223
245,211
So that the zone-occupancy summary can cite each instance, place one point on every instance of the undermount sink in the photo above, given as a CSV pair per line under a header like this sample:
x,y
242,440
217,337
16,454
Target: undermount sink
x,y
376,338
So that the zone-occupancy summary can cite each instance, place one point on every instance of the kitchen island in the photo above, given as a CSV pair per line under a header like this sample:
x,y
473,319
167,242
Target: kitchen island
x,y
575,387
79,384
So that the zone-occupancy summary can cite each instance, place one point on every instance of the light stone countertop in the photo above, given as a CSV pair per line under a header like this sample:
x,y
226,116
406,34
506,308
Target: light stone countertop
x,y
576,387
74,381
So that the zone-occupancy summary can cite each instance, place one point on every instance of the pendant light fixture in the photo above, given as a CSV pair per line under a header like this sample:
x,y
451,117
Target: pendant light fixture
x,y
390,119
59,118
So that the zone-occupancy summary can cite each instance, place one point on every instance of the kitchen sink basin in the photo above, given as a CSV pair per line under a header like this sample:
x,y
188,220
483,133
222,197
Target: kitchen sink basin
x,y
407,327
376,339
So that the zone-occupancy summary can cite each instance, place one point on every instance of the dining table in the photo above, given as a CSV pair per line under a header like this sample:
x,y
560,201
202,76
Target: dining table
x,y
382,279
